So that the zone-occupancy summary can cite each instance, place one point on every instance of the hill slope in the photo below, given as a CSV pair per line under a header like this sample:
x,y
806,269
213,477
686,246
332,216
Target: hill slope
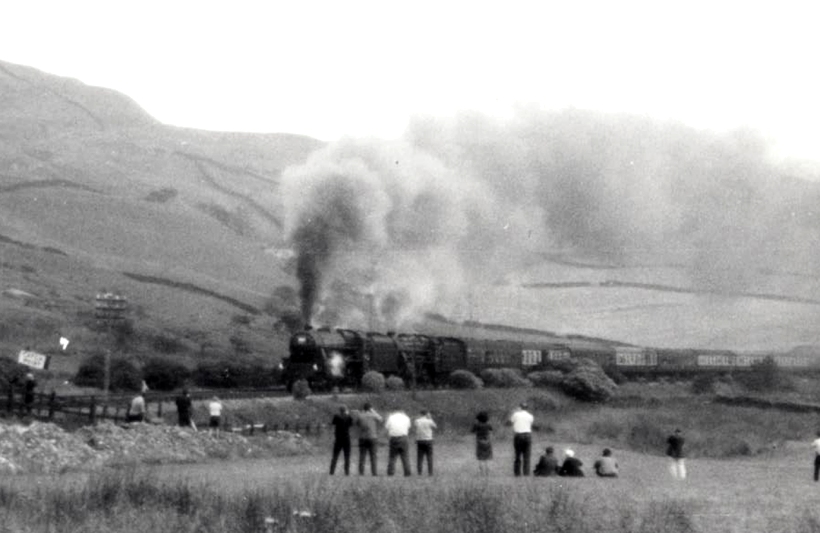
x,y
95,194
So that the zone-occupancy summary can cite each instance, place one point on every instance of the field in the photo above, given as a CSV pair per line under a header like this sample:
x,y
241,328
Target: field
x,y
772,493
749,470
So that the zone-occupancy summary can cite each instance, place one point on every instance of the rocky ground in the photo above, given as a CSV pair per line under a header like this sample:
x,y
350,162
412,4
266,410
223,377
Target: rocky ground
x,y
47,448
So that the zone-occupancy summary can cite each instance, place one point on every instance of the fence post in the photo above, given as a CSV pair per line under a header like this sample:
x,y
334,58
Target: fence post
x,y
92,411
52,404
159,408
10,403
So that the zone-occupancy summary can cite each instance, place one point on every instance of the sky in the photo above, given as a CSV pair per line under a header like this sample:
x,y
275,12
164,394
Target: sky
x,y
332,69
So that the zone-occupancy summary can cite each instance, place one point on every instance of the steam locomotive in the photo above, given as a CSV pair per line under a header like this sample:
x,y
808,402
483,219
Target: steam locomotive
x,y
340,357
328,358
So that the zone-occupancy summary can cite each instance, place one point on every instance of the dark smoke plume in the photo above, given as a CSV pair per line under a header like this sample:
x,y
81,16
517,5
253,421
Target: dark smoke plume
x,y
468,200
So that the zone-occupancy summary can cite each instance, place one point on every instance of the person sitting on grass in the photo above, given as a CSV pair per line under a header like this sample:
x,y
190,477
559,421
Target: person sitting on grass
x,y
547,464
606,465
572,465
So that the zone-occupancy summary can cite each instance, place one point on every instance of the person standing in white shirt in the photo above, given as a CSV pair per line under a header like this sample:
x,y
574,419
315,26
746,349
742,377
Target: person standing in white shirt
x,y
816,445
521,421
215,412
424,426
398,428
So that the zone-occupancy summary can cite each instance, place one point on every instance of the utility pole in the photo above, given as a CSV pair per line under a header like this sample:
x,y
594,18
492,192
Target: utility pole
x,y
109,310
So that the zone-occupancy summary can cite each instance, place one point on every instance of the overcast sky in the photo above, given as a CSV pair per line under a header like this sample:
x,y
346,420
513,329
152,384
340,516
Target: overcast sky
x,y
328,69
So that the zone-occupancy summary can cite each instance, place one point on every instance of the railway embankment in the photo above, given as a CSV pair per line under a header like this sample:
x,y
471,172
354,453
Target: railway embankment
x,y
768,403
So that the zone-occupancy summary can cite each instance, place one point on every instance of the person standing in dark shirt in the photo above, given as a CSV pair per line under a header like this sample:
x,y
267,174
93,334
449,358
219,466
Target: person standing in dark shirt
x,y
341,442
28,393
184,403
674,450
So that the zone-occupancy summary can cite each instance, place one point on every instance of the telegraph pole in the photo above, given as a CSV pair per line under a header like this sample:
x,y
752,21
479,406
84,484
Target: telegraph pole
x,y
109,310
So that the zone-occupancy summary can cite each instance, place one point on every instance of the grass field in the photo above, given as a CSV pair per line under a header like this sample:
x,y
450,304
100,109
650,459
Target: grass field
x,y
770,493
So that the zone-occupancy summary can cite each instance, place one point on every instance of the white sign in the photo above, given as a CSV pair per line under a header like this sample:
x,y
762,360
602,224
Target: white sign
x,y
33,359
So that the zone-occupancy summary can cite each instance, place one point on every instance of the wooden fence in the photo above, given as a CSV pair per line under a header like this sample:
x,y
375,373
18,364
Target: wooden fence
x,y
92,408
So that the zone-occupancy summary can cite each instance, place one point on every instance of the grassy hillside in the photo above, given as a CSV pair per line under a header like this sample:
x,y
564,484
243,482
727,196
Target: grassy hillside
x,y
96,194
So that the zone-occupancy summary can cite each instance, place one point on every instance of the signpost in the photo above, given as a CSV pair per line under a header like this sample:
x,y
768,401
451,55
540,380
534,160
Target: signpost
x,y
109,310
33,359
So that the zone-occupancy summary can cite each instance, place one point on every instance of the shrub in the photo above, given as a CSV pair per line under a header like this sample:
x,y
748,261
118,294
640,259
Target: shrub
x,y
165,375
373,381
588,383
301,389
504,378
11,372
464,379
124,375
165,343
765,376
231,374
704,383
394,383
546,378
615,374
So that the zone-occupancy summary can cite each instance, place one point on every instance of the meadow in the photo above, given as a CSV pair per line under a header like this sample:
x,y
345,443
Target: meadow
x,y
773,494
749,470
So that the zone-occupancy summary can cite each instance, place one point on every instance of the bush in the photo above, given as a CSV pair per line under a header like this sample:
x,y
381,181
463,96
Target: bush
x,y
588,383
464,379
165,375
504,378
124,375
394,383
615,374
11,372
229,374
373,381
164,343
704,383
546,378
301,389
765,376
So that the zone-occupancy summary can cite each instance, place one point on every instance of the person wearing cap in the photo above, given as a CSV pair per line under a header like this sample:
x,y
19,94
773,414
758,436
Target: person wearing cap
x,y
547,464
367,421
674,450
571,466
606,465
398,428
521,421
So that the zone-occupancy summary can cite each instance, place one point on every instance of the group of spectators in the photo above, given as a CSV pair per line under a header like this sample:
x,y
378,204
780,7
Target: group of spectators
x,y
523,422
137,411
398,427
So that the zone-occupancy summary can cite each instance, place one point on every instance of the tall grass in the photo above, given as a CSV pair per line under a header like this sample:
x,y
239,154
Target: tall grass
x,y
131,501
